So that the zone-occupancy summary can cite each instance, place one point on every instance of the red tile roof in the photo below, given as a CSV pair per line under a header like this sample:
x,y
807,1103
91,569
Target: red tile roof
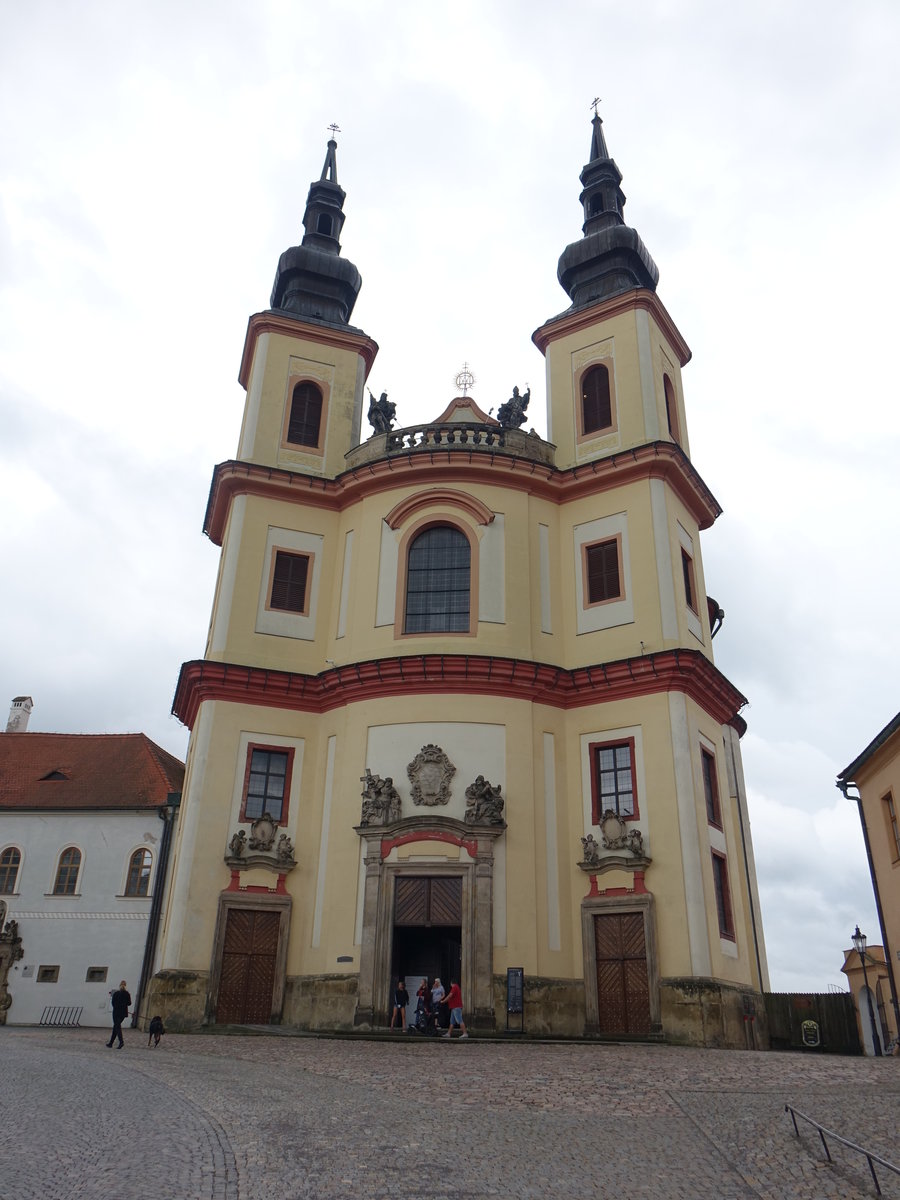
x,y
87,771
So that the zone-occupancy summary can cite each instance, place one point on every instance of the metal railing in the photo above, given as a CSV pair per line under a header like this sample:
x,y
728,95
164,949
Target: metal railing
x,y
870,1158
70,1016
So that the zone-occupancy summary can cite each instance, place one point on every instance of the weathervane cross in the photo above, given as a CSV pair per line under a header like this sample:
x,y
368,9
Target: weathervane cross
x,y
335,128
464,379
594,103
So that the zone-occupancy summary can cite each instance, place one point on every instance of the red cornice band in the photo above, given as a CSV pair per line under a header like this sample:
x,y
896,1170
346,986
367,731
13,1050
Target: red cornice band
x,y
686,671
429,468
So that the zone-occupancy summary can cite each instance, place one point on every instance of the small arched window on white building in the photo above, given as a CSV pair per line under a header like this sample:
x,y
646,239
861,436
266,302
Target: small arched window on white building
x,y
438,581
10,861
138,881
67,871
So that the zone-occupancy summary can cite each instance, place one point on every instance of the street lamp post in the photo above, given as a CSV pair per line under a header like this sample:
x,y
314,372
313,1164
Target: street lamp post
x,y
859,945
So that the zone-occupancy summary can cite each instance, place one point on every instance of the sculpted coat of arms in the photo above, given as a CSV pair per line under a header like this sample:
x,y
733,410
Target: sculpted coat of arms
x,y
430,773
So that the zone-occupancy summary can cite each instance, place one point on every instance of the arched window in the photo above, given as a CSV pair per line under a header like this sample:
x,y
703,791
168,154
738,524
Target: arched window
x,y
138,882
9,870
671,408
67,872
324,224
438,570
306,415
596,404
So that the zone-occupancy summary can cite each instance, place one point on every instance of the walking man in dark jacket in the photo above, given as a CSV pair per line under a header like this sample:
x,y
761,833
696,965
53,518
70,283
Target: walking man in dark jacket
x,y
121,1002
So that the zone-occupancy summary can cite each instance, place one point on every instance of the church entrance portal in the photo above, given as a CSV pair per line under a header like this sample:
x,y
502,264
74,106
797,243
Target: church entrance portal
x,y
440,914
427,932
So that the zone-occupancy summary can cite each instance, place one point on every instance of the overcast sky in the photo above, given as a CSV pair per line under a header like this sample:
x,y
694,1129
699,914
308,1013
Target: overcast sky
x,y
154,162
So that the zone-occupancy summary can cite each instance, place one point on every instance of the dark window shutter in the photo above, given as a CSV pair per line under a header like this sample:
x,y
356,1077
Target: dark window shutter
x,y
289,582
596,410
306,415
603,572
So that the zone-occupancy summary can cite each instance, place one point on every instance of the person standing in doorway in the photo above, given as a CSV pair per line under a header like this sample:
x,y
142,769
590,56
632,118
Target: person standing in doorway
x,y
453,1000
121,1002
401,999
437,995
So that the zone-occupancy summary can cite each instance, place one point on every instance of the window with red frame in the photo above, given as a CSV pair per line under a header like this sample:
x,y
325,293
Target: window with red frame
x,y
723,895
602,570
612,776
711,788
267,783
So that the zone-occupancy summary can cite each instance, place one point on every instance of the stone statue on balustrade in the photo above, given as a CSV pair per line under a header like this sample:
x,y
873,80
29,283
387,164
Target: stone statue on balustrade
x,y
381,413
512,414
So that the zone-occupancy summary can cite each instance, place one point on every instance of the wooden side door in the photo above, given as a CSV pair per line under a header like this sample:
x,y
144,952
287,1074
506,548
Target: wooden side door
x,y
623,993
247,978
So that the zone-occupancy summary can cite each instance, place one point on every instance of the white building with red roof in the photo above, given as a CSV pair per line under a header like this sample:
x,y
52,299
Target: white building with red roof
x,y
85,829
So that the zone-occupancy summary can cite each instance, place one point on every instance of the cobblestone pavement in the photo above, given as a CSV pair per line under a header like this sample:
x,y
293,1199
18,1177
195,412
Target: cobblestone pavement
x,y
217,1117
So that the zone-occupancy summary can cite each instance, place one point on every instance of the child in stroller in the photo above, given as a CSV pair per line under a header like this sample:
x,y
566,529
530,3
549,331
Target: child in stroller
x,y
424,1010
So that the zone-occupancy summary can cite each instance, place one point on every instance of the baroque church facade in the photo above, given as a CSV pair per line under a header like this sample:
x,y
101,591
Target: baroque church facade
x,y
458,711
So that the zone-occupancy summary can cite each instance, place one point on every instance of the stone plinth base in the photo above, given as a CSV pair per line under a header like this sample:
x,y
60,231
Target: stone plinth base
x,y
320,1002
179,997
553,1007
708,1012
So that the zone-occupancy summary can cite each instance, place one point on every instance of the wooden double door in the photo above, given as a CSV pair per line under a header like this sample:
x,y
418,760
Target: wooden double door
x,y
247,979
623,993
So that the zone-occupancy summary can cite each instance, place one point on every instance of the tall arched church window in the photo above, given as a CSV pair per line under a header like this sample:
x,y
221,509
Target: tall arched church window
x,y
306,415
67,872
10,860
438,580
671,408
596,404
138,882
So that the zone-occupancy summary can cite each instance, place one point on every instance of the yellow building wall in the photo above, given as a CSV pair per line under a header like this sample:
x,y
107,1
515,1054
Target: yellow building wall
x,y
531,903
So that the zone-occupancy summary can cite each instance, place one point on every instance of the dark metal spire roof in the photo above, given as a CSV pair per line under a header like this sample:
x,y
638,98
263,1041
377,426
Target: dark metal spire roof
x,y
312,280
610,258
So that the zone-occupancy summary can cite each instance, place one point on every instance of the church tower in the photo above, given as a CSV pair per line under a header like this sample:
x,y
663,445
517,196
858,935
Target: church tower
x,y
458,713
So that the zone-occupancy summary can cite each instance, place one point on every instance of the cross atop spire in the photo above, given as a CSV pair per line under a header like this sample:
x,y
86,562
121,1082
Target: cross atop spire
x,y
594,103
329,170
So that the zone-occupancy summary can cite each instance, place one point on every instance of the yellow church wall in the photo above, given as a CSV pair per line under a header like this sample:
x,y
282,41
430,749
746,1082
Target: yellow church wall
x,y
281,360
633,345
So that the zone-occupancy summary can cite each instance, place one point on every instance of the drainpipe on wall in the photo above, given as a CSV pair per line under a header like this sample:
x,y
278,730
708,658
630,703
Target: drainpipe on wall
x,y
842,786
166,814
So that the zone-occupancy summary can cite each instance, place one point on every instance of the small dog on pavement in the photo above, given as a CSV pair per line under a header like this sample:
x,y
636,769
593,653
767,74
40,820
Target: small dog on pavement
x,y
156,1029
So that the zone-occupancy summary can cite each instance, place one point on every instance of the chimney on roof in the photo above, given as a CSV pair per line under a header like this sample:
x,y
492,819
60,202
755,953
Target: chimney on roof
x,y
19,712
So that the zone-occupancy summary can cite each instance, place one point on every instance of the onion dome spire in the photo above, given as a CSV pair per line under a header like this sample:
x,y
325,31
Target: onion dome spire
x,y
610,258
312,280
